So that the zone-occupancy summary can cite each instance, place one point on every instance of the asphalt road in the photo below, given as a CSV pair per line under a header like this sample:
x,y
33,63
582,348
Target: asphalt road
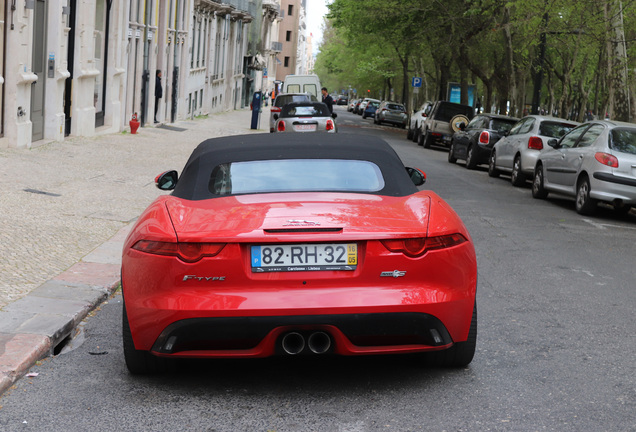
x,y
555,346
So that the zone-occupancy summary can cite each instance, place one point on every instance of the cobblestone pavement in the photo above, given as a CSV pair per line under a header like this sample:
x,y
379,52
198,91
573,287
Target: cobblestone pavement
x,y
61,200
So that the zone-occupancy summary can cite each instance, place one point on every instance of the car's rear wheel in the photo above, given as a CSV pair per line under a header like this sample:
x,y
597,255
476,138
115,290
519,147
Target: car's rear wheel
x,y
461,353
584,204
409,133
416,135
139,362
538,189
451,153
517,177
492,167
471,160
427,140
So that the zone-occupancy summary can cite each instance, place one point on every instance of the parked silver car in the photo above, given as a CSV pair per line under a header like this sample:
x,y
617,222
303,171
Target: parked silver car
x,y
305,117
594,162
284,98
416,120
517,153
391,112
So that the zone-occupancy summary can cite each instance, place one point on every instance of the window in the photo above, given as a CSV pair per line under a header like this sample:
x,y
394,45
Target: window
x,y
295,175
290,10
590,136
286,61
554,129
623,140
570,139
288,36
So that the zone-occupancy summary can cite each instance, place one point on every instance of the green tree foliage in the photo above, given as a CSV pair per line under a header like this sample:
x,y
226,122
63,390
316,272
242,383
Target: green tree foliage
x,y
573,57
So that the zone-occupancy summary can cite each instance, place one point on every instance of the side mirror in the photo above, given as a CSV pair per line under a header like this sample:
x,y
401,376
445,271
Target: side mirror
x,y
275,116
418,177
554,143
167,180
334,115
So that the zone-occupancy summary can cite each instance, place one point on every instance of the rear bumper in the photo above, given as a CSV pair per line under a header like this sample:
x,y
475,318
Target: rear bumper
x,y
609,187
353,334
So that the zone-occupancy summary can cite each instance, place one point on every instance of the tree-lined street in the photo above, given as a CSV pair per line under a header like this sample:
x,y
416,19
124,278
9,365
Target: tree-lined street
x,y
554,348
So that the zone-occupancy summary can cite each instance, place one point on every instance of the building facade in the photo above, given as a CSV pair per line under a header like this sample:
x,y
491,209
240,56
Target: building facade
x,y
289,31
82,67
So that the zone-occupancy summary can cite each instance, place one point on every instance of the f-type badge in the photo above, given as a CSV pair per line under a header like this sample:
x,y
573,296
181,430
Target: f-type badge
x,y
394,273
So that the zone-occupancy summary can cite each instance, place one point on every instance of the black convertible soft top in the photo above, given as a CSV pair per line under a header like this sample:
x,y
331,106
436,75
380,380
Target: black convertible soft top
x,y
194,180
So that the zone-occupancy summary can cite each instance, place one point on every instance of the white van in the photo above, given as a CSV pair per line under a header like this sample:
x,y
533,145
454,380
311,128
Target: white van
x,y
302,84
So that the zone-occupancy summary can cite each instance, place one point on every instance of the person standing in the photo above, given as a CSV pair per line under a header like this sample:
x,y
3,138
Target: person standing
x,y
327,99
158,93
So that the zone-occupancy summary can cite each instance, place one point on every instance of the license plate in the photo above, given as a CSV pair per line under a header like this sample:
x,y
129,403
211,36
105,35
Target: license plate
x,y
308,127
304,257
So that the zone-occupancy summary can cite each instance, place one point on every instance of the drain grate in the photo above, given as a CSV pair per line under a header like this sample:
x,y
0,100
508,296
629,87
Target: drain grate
x,y
39,192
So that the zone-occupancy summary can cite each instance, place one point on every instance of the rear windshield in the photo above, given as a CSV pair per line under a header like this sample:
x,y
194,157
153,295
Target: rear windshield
x,y
501,125
306,88
623,140
295,175
448,110
313,110
285,99
395,107
554,129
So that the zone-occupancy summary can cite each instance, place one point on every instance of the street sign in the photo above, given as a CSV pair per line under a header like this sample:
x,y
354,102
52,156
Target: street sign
x,y
264,72
417,82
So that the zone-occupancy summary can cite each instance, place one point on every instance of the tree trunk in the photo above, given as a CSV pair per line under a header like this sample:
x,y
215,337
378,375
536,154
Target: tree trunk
x,y
619,105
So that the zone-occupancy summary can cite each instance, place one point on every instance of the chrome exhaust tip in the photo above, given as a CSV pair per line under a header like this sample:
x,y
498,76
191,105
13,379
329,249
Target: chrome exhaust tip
x,y
293,343
319,342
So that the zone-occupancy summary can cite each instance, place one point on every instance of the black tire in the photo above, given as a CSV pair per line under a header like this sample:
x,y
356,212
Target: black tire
x,y
139,362
409,133
622,209
416,135
461,353
451,153
427,141
492,168
471,160
584,204
364,116
538,189
517,178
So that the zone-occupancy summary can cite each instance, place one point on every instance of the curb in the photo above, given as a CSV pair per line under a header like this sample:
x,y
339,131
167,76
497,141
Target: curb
x,y
40,323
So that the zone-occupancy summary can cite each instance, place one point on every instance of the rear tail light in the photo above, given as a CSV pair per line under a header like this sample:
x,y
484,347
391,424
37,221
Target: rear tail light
x,y
188,252
415,247
607,159
280,126
330,125
484,137
535,143
276,109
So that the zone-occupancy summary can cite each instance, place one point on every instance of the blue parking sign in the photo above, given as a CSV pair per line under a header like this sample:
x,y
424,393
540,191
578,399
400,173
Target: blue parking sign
x,y
417,82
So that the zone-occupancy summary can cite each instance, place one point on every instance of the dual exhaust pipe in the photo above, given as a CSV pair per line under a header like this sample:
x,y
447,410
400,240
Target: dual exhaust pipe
x,y
294,343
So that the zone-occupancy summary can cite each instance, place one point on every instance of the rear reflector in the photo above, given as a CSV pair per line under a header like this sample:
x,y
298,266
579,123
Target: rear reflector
x,y
188,252
280,126
535,143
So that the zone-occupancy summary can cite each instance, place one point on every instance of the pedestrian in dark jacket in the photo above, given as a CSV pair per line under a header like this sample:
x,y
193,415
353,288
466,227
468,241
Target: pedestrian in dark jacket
x,y
158,93
327,99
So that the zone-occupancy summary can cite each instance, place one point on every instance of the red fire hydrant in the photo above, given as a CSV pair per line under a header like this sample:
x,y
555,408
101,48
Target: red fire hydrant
x,y
134,124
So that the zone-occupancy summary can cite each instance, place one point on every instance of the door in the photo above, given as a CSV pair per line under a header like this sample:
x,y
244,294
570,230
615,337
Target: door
x,y
38,88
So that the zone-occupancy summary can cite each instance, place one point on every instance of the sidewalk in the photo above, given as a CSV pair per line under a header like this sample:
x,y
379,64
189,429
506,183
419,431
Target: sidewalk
x,y
65,210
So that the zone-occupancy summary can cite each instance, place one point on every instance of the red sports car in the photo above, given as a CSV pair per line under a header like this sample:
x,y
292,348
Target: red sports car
x,y
284,245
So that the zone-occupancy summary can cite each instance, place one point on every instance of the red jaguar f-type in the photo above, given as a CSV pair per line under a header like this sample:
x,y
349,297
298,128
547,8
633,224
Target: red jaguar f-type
x,y
280,245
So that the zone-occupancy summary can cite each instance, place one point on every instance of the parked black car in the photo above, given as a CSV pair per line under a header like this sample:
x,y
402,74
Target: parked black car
x,y
474,141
